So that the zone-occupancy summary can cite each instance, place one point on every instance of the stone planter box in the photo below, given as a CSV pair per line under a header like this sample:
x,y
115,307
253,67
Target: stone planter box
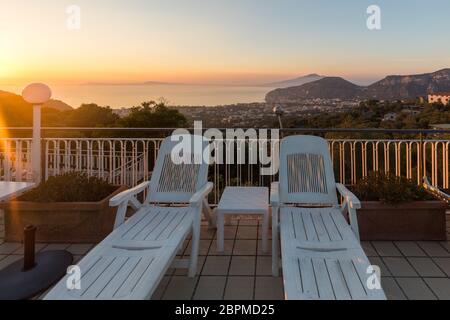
x,y
60,222
414,221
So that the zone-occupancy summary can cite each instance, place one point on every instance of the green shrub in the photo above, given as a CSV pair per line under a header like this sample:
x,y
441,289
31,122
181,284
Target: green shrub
x,y
389,189
70,187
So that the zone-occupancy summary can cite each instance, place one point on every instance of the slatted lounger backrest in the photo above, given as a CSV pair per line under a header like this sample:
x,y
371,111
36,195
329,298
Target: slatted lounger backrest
x,y
176,183
306,172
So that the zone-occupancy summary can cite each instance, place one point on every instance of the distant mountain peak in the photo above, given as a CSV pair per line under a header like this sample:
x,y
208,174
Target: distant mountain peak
x,y
312,75
295,82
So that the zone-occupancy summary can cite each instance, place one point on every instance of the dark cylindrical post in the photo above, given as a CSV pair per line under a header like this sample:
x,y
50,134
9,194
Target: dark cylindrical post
x,y
279,112
29,236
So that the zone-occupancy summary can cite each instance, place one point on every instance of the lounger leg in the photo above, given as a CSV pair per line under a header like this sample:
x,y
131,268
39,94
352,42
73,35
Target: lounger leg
x,y
208,214
275,254
195,247
265,231
220,231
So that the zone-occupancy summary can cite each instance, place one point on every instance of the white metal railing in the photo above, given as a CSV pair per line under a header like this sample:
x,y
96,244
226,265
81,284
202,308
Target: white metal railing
x,y
411,158
128,161
120,161
15,159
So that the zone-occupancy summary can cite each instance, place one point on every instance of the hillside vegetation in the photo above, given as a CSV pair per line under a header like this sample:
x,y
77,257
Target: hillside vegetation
x,y
15,112
371,114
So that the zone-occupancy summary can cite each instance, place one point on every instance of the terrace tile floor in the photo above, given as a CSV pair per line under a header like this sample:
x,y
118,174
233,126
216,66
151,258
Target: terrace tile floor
x,y
410,270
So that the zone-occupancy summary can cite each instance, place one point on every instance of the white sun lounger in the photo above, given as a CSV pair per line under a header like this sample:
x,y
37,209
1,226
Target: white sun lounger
x,y
321,254
132,260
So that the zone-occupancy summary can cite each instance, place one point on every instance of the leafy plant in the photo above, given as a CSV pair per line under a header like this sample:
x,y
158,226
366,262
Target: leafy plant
x,y
70,187
153,114
390,189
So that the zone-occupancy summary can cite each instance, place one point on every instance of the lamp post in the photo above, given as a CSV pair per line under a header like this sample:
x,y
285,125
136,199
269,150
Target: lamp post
x,y
279,112
34,273
37,94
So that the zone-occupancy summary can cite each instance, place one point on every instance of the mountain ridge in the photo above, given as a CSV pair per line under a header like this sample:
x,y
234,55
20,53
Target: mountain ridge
x,y
51,104
392,87
15,111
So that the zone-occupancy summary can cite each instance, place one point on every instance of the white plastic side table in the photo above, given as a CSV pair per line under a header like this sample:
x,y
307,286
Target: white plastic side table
x,y
243,201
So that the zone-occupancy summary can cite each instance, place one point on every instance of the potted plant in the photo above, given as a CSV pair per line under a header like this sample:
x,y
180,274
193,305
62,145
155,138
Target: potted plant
x,y
68,208
395,208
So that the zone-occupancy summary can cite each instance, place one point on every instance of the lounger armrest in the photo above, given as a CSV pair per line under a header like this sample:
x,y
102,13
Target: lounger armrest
x,y
274,194
436,192
124,200
351,204
201,194
352,201
128,194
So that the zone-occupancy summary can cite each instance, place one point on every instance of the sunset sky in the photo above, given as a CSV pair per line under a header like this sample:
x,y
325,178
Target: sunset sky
x,y
227,41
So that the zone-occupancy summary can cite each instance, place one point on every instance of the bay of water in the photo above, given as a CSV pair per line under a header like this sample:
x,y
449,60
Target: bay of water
x,y
117,96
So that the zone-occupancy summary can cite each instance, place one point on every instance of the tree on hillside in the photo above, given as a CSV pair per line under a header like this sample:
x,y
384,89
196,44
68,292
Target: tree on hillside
x,y
14,111
52,117
90,115
153,114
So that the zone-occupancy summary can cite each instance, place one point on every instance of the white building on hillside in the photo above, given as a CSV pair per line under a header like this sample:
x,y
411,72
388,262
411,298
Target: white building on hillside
x,y
443,97
391,116
122,112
